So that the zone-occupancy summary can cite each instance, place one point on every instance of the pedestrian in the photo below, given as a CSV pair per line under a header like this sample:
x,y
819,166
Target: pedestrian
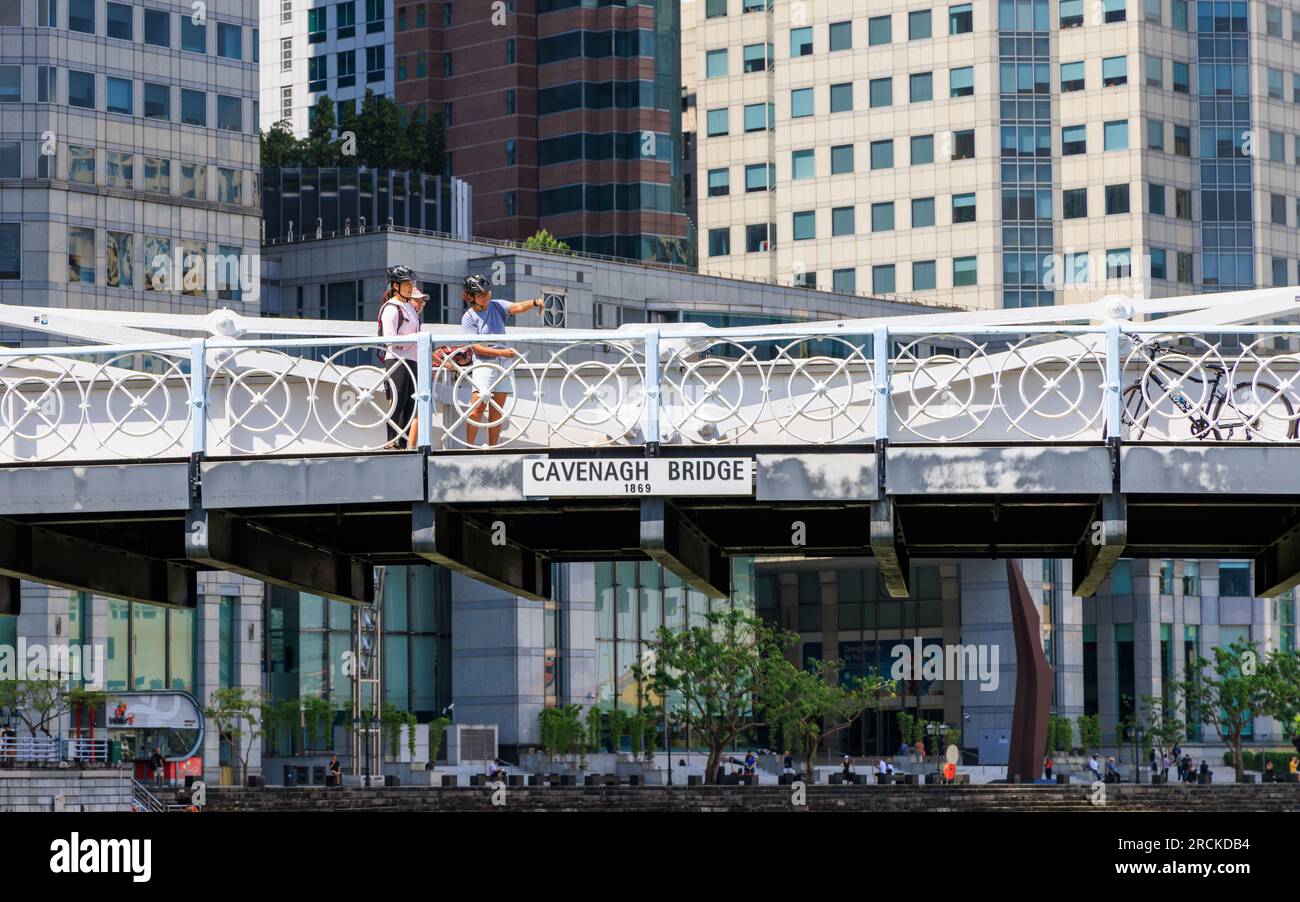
x,y
1188,773
496,771
1268,771
333,772
158,765
881,770
750,763
903,748
1205,772
787,763
487,316
1164,768
919,748
1112,772
1293,766
399,314
846,767
1095,766
1155,765
1047,767
8,745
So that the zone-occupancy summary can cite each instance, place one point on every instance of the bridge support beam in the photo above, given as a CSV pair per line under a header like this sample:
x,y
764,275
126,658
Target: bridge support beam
x,y
1033,704
222,541
674,541
443,535
889,547
1101,544
10,596
48,556
1277,567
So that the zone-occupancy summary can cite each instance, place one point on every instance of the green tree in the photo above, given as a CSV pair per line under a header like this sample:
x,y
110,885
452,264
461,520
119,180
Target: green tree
x,y
426,144
321,148
595,729
381,139
1281,676
234,712
1234,690
726,670
437,730
812,704
279,148
543,240
1161,724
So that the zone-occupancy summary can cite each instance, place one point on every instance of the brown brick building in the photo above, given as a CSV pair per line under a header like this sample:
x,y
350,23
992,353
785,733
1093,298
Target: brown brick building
x,y
562,115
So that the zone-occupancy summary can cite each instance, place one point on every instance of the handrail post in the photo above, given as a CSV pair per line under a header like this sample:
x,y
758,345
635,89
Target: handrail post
x,y
650,427
424,390
880,354
198,397
1113,406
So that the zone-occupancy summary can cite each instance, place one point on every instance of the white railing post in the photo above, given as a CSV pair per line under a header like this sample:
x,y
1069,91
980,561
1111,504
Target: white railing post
x,y
880,353
1113,418
198,396
650,427
424,390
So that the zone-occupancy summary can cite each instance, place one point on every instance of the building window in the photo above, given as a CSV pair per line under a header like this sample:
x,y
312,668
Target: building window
x,y
961,19
1183,203
841,159
719,182
120,95
920,87
1159,270
961,81
1182,80
882,217
841,37
120,20
1234,579
1114,71
194,107
1184,267
880,92
1115,10
11,247
882,279
923,275
1156,199
81,16
81,255
922,149
1155,134
758,117
1277,209
194,181
918,25
801,165
801,103
47,84
157,177
715,63
963,145
81,165
760,177
1117,199
882,154
922,212
963,208
81,89
1072,77
879,30
1155,72
964,271
118,259
510,152
1115,135
230,113
229,182
719,242
1074,203
842,97
1074,140
801,42
194,36
716,123
842,221
510,51
1119,263
759,238
157,101
715,8
1183,140
805,225
286,54
11,159
510,102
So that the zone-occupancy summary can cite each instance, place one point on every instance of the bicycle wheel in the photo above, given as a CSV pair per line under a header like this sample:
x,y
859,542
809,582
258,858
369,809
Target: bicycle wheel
x,y
1132,407
1274,420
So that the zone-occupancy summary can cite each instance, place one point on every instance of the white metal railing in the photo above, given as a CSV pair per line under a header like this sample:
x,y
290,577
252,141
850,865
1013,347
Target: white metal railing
x,y
85,750
145,800
30,750
806,385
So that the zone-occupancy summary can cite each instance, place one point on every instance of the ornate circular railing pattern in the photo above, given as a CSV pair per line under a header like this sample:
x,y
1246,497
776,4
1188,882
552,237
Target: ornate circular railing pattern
x,y
1013,385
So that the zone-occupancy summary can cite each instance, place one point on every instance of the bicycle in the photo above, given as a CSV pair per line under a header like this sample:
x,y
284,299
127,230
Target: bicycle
x,y
1224,412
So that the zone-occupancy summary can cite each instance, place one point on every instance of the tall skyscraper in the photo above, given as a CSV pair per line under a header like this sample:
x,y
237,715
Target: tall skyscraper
x,y
562,115
315,48
997,154
128,145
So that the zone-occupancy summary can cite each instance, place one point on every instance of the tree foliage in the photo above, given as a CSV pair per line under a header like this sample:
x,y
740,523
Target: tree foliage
x,y
1228,692
813,704
543,240
234,712
729,672
373,137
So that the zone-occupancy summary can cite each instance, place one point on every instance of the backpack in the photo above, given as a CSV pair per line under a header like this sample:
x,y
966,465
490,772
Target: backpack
x,y
379,323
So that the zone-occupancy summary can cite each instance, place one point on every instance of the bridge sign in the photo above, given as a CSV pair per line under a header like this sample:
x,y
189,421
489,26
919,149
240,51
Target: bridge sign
x,y
606,477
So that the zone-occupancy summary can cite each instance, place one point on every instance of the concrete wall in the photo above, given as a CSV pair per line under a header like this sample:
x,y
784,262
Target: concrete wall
x,y
65,790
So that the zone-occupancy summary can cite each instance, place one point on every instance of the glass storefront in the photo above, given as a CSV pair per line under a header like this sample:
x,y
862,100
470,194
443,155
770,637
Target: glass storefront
x,y
150,648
